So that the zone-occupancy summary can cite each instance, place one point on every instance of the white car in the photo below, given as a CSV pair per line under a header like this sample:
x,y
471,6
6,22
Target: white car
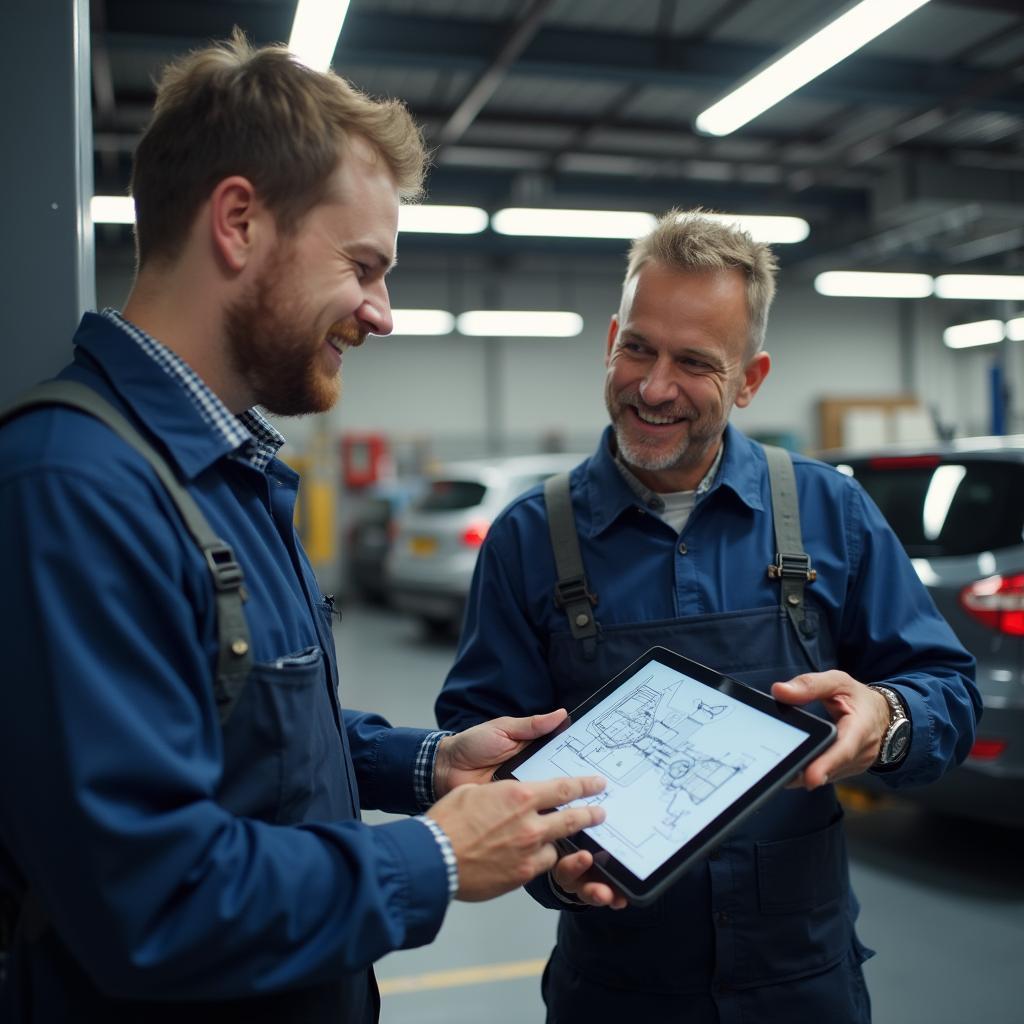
x,y
434,553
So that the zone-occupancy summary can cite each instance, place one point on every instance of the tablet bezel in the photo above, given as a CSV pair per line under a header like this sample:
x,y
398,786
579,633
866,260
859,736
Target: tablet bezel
x,y
819,733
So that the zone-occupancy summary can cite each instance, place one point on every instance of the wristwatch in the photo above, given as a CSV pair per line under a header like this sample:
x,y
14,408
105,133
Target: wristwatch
x,y
896,740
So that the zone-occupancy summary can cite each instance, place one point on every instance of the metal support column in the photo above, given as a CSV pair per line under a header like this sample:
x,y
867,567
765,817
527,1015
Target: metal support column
x,y
49,275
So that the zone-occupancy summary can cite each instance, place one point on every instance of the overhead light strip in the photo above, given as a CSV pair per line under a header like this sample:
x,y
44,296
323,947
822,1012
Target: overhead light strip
x,y
980,286
630,224
448,220
981,332
442,220
869,285
768,229
315,31
542,223
881,284
488,323
112,210
519,323
797,66
433,322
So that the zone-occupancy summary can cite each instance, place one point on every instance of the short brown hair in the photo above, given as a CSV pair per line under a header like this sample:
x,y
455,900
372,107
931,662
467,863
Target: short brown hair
x,y
697,240
233,109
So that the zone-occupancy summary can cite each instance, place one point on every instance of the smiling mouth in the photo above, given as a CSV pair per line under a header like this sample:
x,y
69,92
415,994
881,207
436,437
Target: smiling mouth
x,y
344,335
654,420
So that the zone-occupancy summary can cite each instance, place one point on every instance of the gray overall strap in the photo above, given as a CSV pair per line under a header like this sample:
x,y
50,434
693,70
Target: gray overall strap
x,y
571,591
234,659
792,565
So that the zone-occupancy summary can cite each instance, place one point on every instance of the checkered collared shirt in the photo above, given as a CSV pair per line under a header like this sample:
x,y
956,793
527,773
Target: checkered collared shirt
x,y
255,441
250,434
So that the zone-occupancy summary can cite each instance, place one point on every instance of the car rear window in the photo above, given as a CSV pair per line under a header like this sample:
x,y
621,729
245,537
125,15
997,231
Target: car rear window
x,y
949,508
448,495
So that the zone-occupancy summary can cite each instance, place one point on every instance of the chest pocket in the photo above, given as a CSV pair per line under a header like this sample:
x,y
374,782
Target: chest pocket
x,y
278,738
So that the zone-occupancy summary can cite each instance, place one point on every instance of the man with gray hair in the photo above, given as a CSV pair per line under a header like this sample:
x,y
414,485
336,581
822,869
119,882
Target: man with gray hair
x,y
766,566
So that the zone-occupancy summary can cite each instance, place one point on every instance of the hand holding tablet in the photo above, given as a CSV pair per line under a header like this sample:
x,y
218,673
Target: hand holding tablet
x,y
687,753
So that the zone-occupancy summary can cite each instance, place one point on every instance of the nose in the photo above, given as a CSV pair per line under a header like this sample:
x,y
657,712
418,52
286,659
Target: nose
x,y
375,312
660,384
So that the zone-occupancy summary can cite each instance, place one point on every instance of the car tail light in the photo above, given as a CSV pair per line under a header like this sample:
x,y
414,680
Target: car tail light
x,y
473,535
997,602
904,461
987,749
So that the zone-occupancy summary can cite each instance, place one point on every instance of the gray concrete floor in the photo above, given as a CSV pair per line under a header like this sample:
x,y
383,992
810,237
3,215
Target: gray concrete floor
x,y
942,901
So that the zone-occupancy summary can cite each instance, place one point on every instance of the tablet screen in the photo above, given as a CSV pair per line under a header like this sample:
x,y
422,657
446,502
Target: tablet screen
x,y
676,753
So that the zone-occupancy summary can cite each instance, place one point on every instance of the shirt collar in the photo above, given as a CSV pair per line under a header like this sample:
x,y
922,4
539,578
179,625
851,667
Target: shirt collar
x,y
611,492
652,499
194,424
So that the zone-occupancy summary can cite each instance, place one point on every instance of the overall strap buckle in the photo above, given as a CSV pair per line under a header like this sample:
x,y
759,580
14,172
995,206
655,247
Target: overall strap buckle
x,y
573,591
792,567
226,572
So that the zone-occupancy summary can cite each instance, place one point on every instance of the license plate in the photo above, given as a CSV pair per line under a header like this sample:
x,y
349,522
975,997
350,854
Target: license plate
x,y
423,547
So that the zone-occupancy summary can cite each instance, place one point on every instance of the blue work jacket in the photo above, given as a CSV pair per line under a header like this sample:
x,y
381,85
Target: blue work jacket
x,y
740,935
183,870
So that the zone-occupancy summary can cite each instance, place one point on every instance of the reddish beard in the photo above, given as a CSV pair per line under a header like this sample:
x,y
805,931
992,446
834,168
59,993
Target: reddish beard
x,y
281,363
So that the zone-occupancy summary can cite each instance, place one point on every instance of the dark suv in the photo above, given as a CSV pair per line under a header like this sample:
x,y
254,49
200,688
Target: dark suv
x,y
958,509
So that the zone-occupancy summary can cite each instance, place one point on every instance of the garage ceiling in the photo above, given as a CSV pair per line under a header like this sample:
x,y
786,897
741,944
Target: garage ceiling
x,y
907,156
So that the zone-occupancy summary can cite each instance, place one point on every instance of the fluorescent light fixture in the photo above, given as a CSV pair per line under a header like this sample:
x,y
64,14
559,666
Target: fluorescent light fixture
x,y
768,229
422,321
632,223
873,285
981,332
980,286
1015,329
519,323
315,30
796,67
572,223
112,209
442,220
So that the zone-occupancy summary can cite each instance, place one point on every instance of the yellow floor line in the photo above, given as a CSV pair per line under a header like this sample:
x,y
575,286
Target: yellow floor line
x,y
483,975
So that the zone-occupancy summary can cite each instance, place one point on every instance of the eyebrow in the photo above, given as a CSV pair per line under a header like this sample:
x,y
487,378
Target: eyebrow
x,y
627,334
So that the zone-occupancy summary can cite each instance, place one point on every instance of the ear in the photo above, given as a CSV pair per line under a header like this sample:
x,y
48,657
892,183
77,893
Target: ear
x,y
236,222
613,333
753,377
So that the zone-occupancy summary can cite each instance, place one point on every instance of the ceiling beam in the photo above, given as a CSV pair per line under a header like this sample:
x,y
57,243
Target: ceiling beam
x,y
487,84
381,41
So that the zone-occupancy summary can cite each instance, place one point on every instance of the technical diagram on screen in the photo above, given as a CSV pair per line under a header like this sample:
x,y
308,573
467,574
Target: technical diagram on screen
x,y
686,752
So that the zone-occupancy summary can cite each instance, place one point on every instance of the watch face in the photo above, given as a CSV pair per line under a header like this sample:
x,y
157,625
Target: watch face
x,y
896,742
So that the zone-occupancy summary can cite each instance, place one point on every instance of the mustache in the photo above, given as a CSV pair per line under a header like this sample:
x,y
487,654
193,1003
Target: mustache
x,y
349,330
670,410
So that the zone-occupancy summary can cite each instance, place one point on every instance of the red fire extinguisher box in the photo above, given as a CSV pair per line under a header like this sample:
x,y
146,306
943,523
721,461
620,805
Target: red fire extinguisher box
x,y
364,459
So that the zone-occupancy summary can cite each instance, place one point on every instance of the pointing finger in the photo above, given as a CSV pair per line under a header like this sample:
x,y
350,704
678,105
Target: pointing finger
x,y
570,821
558,792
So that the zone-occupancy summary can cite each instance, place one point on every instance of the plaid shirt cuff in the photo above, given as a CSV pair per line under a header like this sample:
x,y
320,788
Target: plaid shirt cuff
x,y
451,865
423,769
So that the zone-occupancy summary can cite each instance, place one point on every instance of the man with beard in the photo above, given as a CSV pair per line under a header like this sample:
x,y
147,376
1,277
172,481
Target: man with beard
x,y
180,788
691,536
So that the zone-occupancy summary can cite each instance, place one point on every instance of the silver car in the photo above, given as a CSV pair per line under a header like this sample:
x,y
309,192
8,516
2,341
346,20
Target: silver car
x,y
433,555
958,509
